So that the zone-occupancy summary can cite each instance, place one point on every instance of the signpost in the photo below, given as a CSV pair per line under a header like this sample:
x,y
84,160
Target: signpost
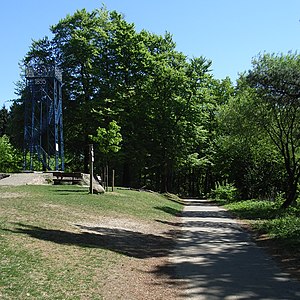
x,y
91,151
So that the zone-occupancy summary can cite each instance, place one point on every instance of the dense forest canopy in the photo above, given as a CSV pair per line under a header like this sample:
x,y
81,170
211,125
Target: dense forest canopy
x,y
161,119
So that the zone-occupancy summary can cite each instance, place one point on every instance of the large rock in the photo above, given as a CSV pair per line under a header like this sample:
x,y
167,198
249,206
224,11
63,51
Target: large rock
x,y
97,187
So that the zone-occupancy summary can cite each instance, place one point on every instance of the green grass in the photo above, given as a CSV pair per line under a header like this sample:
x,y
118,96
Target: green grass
x,y
45,256
267,217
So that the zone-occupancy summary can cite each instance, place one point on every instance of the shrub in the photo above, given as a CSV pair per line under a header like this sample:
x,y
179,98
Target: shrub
x,y
9,158
226,192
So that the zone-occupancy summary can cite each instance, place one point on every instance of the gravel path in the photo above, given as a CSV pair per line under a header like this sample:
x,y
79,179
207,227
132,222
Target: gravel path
x,y
216,259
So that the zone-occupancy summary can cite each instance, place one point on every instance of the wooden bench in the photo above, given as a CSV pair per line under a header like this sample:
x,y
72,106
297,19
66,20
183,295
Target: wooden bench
x,y
73,177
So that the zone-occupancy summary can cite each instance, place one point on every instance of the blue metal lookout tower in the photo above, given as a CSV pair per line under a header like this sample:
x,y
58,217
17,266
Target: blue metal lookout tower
x,y
43,132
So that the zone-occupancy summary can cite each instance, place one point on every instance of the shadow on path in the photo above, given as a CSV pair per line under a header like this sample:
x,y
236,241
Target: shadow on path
x,y
216,259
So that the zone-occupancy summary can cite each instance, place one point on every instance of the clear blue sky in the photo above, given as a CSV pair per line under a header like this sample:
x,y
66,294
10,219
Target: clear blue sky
x,y
228,32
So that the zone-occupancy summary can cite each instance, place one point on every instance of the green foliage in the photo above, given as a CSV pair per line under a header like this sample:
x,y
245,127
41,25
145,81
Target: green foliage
x,y
275,79
108,140
139,80
181,130
15,125
227,192
285,227
268,217
254,209
252,162
10,160
153,92
258,148
4,115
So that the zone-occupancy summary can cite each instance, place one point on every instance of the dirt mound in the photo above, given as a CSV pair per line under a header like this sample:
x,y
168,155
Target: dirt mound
x,y
26,178
40,178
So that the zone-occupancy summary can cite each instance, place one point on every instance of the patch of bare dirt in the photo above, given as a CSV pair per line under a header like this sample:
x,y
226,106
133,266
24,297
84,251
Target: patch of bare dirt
x,y
8,195
136,279
144,247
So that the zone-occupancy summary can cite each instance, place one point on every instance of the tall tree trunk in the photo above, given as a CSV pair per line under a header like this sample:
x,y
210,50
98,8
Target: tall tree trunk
x,y
86,159
126,174
169,172
208,182
163,179
166,177
291,194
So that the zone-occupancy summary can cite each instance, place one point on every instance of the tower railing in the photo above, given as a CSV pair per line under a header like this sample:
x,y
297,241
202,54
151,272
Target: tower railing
x,y
43,128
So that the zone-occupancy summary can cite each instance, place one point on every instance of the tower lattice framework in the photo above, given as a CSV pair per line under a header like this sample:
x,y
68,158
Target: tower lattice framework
x,y
43,131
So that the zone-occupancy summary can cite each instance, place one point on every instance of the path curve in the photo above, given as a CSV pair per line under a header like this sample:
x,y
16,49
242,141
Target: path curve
x,y
216,259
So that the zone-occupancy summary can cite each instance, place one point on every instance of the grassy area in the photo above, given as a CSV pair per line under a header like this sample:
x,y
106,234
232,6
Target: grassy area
x,y
45,254
267,217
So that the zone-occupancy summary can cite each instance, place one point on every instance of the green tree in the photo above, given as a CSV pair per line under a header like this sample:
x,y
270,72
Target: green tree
x,y
275,79
9,160
245,155
198,171
79,42
174,112
153,92
15,125
217,94
4,115
108,142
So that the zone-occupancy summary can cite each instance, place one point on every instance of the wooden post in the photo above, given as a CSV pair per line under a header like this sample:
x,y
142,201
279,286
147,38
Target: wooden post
x,y
107,176
113,180
91,151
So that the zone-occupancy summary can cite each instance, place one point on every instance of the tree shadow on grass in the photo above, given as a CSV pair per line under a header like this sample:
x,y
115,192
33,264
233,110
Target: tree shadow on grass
x,y
174,198
169,210
126,242
81,190
69,191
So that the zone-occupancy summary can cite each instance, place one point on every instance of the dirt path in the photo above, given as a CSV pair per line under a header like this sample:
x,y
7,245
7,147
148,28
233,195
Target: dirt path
x,y
216,259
